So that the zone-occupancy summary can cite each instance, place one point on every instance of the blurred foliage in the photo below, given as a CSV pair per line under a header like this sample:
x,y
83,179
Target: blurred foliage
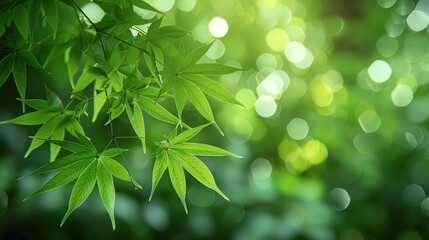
x,y
335,144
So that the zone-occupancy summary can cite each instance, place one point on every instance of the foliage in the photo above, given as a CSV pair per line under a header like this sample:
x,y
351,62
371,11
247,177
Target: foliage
x,y
115,72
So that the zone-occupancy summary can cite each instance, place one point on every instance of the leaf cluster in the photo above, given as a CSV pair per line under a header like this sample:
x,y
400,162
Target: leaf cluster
x,y
118,73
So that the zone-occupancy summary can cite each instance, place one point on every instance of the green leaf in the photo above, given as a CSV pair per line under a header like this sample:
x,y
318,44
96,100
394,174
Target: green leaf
x,y
177,177
115,168
53,99
166,85
144,5
194,56
29,58
203,150
70,146
51,11
20,75
31,119
157,111
213,89
63,177
85,141
82,188
84,80
137,122
38,104
158,170
99,100
197,169
151,63
210,69
57,134
61,163
44,132
21,22
179,98
188,134
106,189
197,98
6,65
113,152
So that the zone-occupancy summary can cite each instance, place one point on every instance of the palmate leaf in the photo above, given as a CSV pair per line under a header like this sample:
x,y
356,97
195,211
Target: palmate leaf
x,y
6,65
175,154
136,119
197,98
88,167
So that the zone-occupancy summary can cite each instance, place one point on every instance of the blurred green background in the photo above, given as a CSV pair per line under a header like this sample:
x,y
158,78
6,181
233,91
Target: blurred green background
x,y
334,143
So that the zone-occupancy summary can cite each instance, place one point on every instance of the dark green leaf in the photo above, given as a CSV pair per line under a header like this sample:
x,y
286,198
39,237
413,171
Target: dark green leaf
x,y
6,65
29,58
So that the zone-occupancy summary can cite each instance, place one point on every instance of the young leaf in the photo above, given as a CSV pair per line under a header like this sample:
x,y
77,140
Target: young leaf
x,y
6,65
197,98
177,177
197,169
203,150
158,170
63,177
106,189
82,188
188,134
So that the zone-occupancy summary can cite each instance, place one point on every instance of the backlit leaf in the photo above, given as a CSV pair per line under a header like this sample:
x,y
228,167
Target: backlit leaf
x,y
158,170
106,189
177,177
203,149
197,98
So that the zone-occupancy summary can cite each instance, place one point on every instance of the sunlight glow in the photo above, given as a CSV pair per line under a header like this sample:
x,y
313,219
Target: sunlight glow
x,y
218,27
379,71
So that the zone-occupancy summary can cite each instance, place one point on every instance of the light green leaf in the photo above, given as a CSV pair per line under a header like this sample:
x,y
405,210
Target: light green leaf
x,y
53,99
84,80
137,122
70,146
166,85
179,98
144,5
99,100
157,111
177,177
57,134
188,134
197,98
212,69
115,168
106,189
150,60
158,170
63,177
197,169
38,104
213,89
31,119
6,65
113,152
81,190
194,56
61,163
44,132
85,141
203,150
